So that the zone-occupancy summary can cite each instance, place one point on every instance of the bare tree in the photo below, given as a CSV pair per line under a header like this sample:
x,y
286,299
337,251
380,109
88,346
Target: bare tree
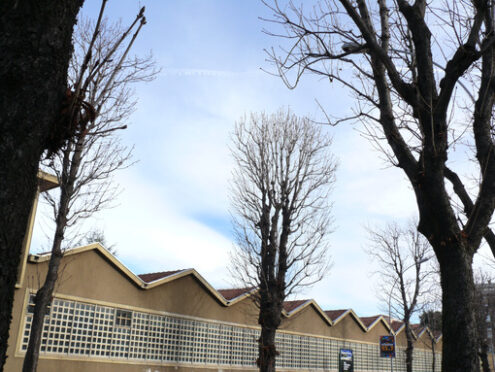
x,y
432,319
35,45
398,251
421,74
97,235
280,192
484,308
100,74
431,314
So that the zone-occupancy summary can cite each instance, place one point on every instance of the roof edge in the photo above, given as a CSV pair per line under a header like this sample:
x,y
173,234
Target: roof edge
x,y
36,258
242,296
306,304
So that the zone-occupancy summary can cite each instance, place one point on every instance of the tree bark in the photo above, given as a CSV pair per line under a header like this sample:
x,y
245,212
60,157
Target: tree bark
x,y
42,300
433,355
483,354
410,346
269,319
44,295
35,44
460,351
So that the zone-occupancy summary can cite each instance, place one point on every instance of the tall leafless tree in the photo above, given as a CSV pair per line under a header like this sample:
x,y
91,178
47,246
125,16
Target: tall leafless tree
x,y
399,252
280,193
100,74
432,318
421,73
35,45
484,308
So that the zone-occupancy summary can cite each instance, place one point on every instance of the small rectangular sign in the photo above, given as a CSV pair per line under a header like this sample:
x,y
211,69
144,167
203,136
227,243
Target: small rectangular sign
x,y
346,360
387,346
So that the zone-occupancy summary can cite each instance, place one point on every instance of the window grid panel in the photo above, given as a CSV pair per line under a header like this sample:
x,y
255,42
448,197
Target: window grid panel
x,y
185,340
200,346
82,328
171,330
60,327
225,339
155,338
139,335
250,346
101,342
237,346
26,332
44,333
76,328
121,335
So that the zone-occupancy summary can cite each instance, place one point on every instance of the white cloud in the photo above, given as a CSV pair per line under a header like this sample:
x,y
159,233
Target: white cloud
x,y
152,235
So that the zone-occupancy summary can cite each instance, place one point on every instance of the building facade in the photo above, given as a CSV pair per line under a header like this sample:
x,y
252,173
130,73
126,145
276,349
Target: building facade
x,y
103,317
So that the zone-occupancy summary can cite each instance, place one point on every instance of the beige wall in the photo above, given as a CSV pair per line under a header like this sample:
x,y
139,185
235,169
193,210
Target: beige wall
x,y
308,320
91,275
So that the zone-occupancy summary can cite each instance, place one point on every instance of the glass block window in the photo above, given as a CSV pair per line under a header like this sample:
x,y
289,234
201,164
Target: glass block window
x,y
60,325
82,329
185,340
104,322
30,305
214,344
200,344
155,346
225,342
250,338
123,318
120,342
139,334
74,328
170,339
237,346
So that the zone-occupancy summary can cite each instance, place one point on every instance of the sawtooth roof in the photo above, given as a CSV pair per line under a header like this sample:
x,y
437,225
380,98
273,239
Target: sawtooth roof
x,y
151,277
335,314
230,296
231,293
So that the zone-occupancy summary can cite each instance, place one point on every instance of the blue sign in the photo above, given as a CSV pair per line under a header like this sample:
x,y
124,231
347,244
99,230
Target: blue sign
x,y
387,346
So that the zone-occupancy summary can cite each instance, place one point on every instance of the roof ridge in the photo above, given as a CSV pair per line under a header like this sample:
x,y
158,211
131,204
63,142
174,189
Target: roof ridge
x,y
164,271
228,289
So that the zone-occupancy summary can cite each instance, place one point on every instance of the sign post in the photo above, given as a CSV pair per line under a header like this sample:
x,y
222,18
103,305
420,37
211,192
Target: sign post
x,y
346,360
387,349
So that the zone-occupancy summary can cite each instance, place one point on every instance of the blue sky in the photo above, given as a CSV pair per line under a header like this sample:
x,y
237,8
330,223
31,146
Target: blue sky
x,y
173,212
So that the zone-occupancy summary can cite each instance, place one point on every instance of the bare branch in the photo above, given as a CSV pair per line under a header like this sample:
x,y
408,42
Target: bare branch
x,y
280,190
100,104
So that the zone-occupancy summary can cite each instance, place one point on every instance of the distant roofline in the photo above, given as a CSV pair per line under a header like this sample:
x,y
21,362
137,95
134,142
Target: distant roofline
x,y
45,256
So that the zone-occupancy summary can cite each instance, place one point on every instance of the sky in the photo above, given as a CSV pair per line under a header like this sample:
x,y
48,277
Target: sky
x,y
173,212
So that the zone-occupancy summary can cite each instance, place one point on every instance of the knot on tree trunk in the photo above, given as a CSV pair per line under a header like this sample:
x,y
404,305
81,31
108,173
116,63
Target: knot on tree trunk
x,y
267,351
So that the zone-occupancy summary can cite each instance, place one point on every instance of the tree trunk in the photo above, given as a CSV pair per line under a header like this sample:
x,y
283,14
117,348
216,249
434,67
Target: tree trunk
x,y
410,347
267,350
42,300
433,355
460,351
35,45
483,354
72,162
269,318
